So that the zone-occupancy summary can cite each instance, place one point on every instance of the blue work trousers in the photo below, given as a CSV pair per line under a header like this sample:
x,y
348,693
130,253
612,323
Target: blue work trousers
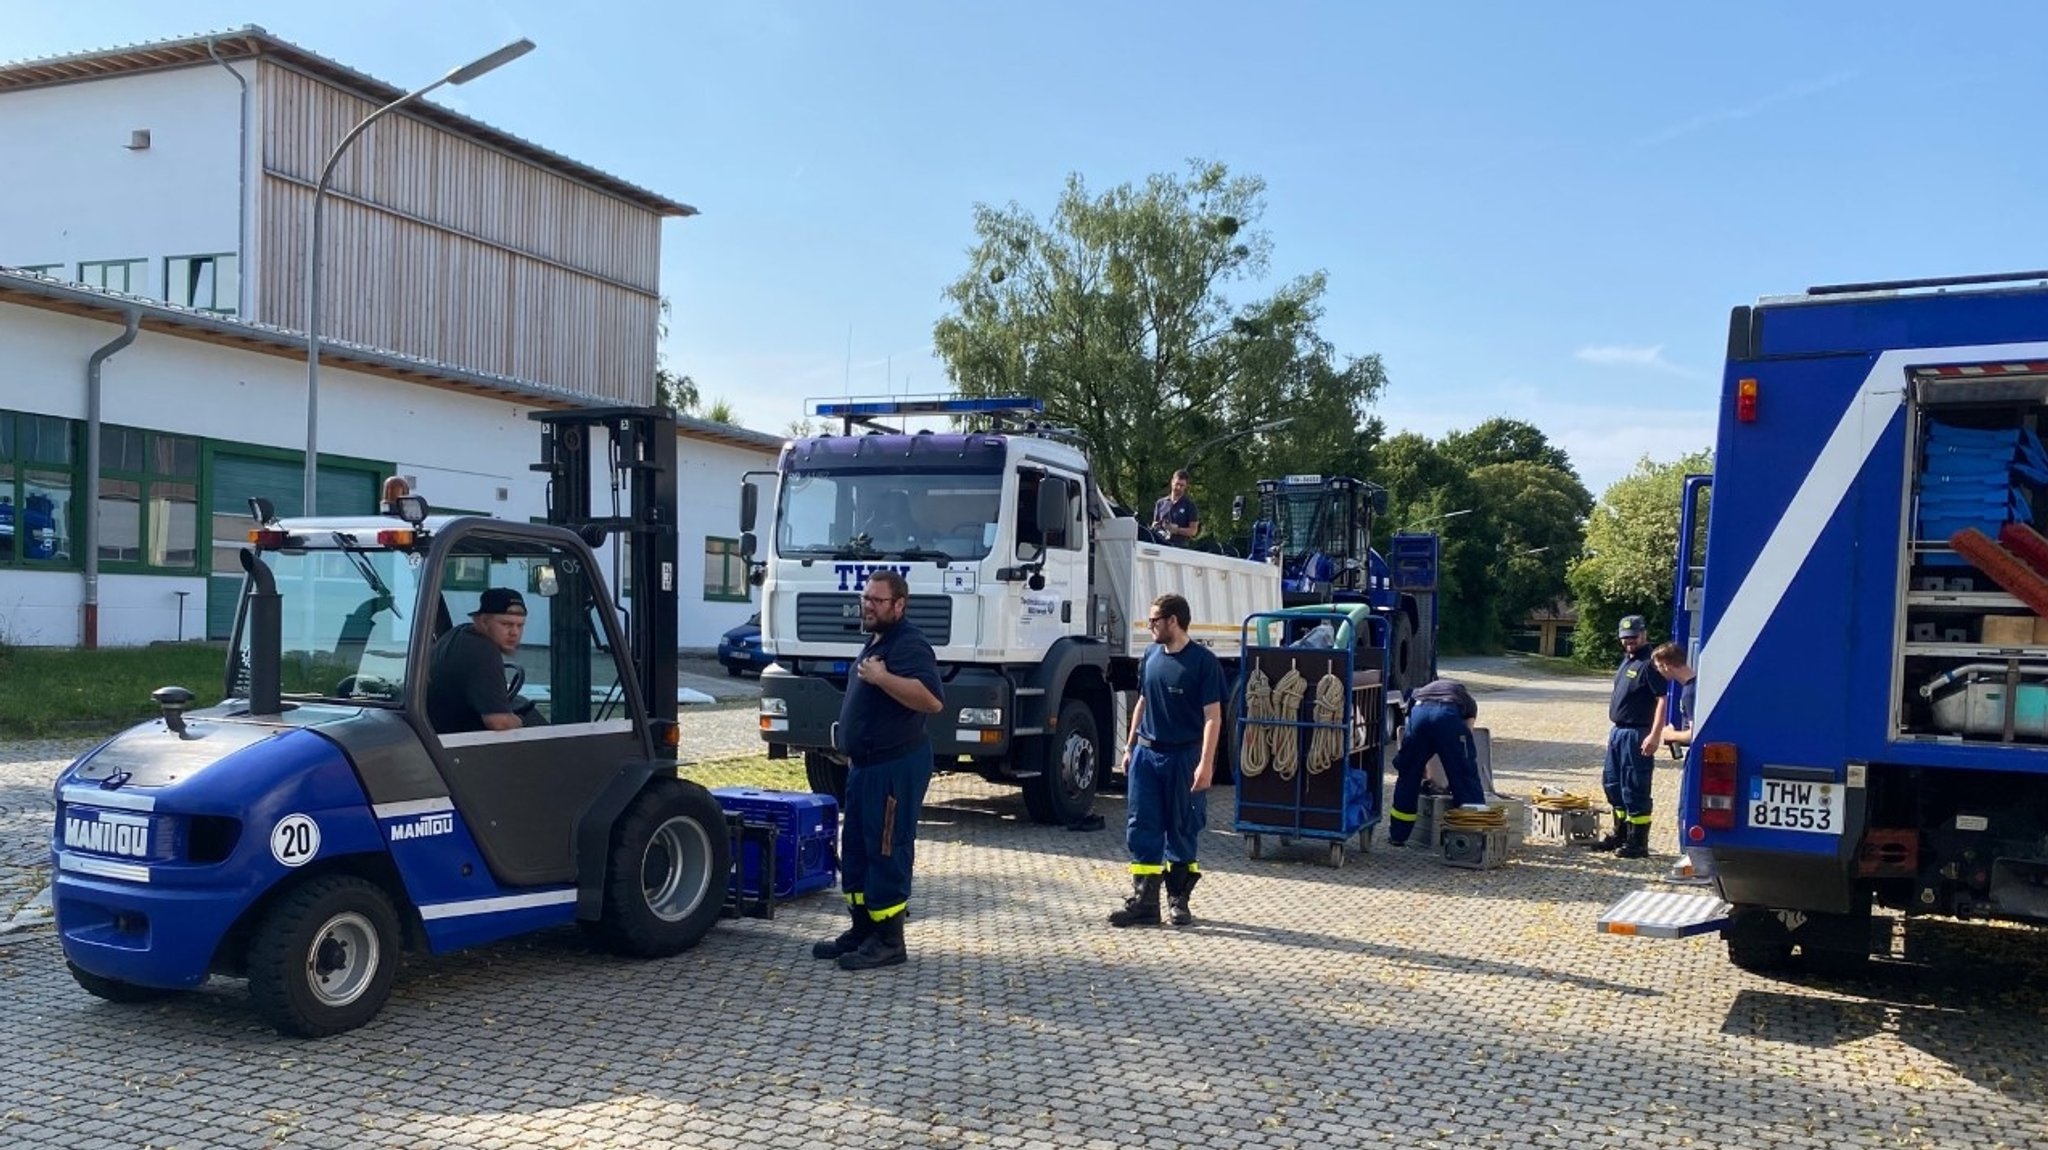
x,y
1625,775
1165,820
1434,729
878,829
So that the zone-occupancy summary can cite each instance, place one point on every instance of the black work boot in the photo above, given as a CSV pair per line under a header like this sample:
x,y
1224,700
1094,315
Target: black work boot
x,y
1142,908
1616,838
1638,844
882,947
849,940
1180,883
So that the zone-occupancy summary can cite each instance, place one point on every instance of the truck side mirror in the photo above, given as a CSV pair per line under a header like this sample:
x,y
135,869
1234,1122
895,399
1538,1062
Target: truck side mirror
x,y
747,541
1054,523
750,499
1236,508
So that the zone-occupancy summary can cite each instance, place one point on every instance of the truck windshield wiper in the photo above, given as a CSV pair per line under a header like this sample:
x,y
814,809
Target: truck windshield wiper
x,y
354,551
917,553
858,547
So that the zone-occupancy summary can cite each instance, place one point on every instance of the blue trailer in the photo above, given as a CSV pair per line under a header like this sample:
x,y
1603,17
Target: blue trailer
x,y
1873,675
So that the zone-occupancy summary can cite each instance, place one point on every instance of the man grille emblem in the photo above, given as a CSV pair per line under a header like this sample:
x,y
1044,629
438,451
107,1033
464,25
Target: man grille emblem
x,y
848,610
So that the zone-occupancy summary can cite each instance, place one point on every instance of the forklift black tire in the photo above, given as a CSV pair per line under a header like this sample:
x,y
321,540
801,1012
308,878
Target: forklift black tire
x,y
114,990
324,956
1401,671
1063,792
670,865
1757,941
826,775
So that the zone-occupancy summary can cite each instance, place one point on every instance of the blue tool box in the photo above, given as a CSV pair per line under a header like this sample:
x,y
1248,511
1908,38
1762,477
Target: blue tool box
x,y
806,839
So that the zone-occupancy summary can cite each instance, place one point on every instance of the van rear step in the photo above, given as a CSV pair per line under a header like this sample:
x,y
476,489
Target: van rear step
x,y
1664,914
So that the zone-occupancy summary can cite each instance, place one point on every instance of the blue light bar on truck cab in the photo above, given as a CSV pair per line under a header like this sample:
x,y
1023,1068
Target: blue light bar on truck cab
x,y
867,409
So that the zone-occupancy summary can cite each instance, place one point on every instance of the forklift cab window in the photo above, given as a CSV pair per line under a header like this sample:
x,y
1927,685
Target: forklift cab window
x,y
528,641
346,623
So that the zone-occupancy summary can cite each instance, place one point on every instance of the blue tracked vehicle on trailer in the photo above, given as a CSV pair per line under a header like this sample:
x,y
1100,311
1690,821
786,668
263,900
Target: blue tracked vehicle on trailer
x,y
1873,674
315,825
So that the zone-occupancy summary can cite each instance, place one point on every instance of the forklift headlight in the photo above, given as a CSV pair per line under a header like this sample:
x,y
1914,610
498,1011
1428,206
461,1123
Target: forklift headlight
x,y
981,716
777,707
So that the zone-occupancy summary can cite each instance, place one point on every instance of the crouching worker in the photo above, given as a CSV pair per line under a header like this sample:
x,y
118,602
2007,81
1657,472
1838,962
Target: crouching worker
x,y
1169,760
895,684
1439,725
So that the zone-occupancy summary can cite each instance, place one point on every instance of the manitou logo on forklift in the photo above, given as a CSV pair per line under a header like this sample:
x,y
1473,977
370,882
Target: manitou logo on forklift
x,y
1872,726
330,814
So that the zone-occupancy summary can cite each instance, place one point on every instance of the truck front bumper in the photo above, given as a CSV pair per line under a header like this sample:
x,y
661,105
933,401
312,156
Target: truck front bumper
x,y
801,711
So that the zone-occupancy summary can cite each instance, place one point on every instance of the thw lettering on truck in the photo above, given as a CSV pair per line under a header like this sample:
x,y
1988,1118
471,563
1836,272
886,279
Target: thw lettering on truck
x,y
855,576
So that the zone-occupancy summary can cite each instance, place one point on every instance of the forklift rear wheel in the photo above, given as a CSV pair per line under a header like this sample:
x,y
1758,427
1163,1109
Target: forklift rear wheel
x,y
665,885
826,775
113,989
324,957
1063,792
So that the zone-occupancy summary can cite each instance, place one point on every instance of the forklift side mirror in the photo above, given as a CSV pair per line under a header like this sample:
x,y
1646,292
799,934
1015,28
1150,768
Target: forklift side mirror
x,y
1379,502
542,582
750,499
748,543
1236,508
263,511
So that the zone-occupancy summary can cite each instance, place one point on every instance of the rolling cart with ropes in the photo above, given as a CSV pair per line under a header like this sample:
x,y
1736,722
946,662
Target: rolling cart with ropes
x,y
1311,727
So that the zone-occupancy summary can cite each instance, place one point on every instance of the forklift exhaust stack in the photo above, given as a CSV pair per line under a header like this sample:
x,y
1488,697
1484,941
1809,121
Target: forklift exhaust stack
x,y
266,634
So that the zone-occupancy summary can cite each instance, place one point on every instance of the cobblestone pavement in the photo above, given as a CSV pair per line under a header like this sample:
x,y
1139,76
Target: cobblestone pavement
x,y
1394,1001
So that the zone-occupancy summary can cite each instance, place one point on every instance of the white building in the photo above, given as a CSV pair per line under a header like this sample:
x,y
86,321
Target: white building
x,y
468,277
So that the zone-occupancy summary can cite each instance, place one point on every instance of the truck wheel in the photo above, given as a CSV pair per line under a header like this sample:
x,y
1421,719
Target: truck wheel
x,y
1064,791
665,883
826,775
1401,654
324,957
1757,941
113,989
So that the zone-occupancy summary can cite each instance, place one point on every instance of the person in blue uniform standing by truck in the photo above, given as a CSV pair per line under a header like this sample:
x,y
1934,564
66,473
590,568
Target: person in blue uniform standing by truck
x,y
894,685
1169,760
1440,726
1637,712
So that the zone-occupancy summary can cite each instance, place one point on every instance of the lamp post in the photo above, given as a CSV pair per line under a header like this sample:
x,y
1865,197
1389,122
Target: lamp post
x,y
462,75
1226,437
1434,518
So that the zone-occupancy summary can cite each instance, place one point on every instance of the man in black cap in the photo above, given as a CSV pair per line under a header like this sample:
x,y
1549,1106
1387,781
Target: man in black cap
x,y
472,680
1637,712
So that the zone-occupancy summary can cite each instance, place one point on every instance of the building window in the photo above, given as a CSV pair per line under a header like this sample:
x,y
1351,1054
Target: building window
x,y
725,573
149,499
115,275
37,476
54,271
209,283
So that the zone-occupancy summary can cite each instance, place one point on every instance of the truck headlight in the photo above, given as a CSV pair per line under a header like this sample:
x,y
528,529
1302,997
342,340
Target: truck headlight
x,y
981,716
777,707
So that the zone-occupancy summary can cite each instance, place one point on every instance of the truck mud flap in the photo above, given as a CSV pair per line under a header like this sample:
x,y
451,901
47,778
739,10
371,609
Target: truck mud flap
x,y
1665,914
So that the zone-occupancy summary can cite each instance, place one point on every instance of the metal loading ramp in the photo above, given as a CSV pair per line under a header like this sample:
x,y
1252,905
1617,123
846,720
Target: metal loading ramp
x,y
1665,914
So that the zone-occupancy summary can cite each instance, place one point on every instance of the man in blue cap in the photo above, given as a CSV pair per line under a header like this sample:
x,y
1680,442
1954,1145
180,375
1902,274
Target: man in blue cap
x,y
1637,712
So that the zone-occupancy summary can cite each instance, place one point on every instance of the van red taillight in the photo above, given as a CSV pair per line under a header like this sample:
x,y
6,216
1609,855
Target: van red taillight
x,y
1745,401
1717,786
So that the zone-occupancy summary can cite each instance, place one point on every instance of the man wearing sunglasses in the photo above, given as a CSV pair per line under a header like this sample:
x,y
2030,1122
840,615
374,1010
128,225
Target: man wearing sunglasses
x,y
1169,761
894,685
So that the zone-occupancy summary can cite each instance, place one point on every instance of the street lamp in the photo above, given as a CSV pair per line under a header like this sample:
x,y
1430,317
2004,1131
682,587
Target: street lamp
x,y
462,75
1434,518
1226,437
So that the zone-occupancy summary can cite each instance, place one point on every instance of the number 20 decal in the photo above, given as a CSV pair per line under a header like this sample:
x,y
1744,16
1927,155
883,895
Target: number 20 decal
x,y
295,840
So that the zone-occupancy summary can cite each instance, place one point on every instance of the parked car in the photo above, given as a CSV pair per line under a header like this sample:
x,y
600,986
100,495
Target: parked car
x,y
740,648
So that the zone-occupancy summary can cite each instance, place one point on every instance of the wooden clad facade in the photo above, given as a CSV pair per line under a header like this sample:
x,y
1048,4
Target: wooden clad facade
x,y
443,247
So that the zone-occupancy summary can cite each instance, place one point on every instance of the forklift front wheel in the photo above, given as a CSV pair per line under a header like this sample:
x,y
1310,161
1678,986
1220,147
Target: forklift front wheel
x,y
670,865
324,957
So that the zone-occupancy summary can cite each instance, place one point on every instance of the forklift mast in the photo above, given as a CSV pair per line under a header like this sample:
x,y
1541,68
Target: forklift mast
x,y
639,456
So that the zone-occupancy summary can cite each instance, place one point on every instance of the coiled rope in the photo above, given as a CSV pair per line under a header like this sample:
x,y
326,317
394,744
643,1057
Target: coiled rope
x,y
1552,799
1286,744
1254,746
1326,746
1463,819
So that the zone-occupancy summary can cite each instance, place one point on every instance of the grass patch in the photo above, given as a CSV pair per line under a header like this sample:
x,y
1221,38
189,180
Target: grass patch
x,y
1556,666
760,772
54,691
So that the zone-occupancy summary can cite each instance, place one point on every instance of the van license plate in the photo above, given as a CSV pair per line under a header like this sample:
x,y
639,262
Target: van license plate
x,y
1790,805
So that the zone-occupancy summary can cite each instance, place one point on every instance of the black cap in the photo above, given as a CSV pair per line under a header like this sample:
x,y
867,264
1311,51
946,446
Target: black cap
x,y
500,601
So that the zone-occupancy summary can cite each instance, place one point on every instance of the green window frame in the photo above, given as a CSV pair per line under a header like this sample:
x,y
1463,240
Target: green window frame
x,y
39,517
149,501
129,276
725,573
209,282
54,271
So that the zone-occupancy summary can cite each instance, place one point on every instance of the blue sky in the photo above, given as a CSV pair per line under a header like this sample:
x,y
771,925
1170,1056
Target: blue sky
x,y
1542,211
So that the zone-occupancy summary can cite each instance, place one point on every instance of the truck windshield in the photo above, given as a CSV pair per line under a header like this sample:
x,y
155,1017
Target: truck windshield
x,y
870,514
347,622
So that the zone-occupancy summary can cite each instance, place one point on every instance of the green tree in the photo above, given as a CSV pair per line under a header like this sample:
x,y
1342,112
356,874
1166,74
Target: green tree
x,y
672,389
721,411
1119,312
1631,555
